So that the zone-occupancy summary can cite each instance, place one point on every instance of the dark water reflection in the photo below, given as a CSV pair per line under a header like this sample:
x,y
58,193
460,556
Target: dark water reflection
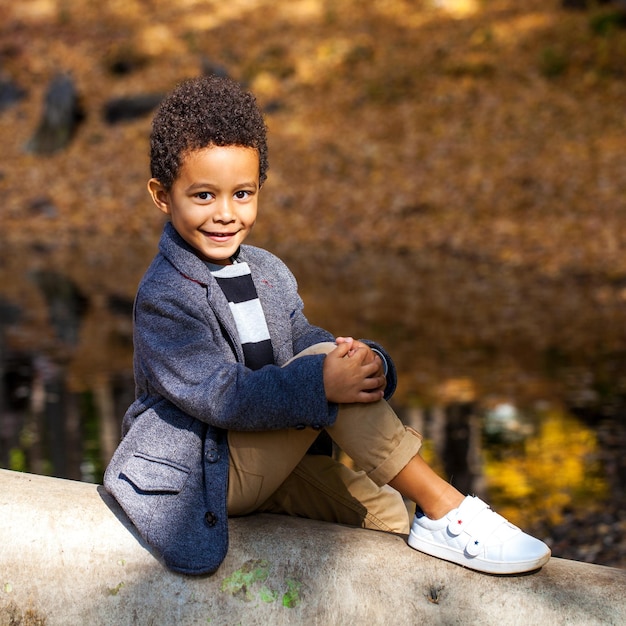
x,y
528,432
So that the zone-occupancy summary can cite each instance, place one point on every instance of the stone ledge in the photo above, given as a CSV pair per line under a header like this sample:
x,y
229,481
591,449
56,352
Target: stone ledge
x,y
68,556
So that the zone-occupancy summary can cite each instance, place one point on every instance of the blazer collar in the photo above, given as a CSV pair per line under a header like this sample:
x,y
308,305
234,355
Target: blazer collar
x,y
183,257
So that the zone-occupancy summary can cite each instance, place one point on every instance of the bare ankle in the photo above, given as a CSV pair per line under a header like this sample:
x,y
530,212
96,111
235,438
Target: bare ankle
x,y
434,495
449,499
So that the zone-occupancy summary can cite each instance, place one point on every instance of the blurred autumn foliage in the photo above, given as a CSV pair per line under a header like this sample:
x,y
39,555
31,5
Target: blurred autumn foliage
x,y
447,176
450,179
555,468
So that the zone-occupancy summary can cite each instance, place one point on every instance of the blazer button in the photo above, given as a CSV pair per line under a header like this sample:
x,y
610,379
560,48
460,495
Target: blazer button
x,y
210,519
212,456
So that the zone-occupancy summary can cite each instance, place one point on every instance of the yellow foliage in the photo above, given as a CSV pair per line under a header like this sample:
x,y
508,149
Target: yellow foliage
x,y
555,470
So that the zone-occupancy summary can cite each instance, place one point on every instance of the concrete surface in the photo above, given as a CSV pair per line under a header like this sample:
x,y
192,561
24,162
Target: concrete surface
x,y
69,557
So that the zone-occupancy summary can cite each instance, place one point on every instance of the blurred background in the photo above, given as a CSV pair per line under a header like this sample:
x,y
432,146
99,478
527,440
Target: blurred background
x,y
446,177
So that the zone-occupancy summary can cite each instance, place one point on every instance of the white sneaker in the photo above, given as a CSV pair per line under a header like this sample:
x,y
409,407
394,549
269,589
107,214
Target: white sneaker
x,y
476,537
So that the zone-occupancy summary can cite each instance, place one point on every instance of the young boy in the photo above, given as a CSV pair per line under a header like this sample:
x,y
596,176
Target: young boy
x,y
234,386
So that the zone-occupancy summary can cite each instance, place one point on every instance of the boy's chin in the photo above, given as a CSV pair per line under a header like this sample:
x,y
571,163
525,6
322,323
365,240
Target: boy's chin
x,y
218,259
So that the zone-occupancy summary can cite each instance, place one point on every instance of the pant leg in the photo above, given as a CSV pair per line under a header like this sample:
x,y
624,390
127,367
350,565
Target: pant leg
x,y
259,462
322,488
371,434
377,441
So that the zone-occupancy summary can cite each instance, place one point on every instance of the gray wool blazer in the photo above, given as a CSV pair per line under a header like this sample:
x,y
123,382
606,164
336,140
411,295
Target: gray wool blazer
x,y
170,470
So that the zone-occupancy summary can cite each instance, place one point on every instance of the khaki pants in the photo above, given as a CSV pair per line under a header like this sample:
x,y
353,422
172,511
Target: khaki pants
x,y
270,471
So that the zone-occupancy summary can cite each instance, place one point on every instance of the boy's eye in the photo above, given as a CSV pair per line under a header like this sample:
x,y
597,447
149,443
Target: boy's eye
x,y
242,195
203,195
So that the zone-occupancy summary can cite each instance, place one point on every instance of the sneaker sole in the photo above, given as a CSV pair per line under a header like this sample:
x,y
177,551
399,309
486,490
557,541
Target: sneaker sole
x,y
476,563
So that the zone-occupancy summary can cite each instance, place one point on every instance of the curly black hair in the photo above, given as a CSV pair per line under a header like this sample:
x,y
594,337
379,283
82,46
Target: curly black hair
x,y
202,112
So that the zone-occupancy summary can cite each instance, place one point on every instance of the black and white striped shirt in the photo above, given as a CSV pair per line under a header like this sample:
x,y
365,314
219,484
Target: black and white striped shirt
x,y
236,282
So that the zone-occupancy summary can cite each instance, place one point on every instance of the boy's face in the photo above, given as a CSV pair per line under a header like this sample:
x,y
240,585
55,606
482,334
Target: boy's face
x,y
213,201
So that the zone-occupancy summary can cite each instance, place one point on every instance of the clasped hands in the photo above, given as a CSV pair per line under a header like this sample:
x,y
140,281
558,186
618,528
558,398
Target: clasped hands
x,y
353,372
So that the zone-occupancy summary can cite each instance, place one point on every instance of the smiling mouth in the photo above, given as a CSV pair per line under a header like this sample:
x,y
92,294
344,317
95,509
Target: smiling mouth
x,y
220,235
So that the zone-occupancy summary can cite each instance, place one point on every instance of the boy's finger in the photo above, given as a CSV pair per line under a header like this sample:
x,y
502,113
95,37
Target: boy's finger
x,y
374,382
339,340
370,396
340,351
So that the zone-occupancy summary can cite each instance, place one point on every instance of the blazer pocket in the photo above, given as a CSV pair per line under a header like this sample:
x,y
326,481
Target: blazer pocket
x,y
150,474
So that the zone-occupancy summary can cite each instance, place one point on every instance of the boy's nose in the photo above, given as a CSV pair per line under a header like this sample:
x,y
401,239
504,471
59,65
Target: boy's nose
x,y
224,211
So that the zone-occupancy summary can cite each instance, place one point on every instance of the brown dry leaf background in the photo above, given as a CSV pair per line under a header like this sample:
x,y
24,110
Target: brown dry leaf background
x,y
450,182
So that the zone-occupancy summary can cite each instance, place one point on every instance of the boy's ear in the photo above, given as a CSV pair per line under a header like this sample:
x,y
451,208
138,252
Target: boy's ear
x,y
159,195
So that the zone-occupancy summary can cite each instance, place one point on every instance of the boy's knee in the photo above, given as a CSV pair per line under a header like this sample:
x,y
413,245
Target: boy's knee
x,y
323,347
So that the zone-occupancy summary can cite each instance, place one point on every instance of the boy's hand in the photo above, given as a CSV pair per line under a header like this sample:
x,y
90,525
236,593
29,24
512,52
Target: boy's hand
x,y
355,344
353,374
